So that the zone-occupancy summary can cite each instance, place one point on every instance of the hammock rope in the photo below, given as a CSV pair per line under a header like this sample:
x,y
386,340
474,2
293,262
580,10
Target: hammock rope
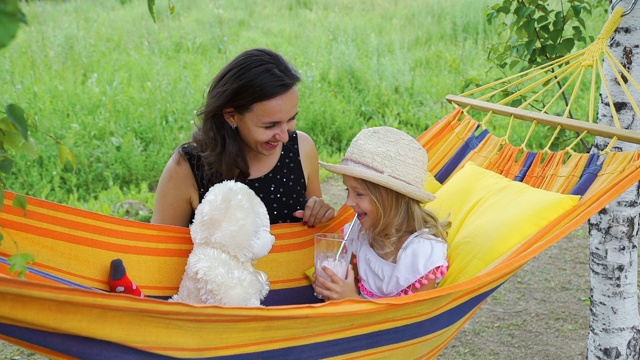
x,y
571,68
629,10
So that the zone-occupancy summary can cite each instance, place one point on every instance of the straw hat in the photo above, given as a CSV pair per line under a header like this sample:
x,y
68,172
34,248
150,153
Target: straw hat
x,y
387,157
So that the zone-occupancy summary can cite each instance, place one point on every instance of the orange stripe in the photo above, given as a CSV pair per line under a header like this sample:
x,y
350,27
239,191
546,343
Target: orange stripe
x,y
101,245
131,235
39,205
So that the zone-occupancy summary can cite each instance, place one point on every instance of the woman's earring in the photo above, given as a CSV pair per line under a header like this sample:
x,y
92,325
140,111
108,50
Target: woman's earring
x,y
234,126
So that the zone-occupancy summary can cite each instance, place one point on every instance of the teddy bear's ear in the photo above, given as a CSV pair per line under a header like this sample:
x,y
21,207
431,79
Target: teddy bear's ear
x,y
228,218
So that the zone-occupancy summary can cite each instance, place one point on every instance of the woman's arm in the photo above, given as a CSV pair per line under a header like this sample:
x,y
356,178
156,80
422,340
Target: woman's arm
x,y
316,210
177,193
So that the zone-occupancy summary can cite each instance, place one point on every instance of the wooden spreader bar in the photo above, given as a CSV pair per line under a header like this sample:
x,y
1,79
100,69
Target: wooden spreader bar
x,y
548,119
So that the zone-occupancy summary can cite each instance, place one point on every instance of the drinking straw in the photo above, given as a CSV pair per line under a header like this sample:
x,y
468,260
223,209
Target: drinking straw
x,y
346,235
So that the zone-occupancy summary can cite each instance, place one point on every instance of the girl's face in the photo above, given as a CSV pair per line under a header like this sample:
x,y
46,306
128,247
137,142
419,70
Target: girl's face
x,y
360,200
265,126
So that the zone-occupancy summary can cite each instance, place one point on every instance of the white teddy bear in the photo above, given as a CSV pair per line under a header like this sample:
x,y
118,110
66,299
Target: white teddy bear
x,y
230,232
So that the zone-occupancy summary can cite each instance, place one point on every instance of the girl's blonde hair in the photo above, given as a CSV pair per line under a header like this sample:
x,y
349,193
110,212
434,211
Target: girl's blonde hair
x,y
398,215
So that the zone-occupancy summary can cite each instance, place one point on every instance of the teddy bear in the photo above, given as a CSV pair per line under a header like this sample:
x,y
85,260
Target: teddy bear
x,y
230,231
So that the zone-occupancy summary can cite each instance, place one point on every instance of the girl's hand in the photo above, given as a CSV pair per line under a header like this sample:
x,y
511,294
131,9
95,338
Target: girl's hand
x,y
336,288
315,212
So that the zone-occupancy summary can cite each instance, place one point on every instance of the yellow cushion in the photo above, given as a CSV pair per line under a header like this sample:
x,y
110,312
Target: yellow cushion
x,y
489,216
432,185
309,272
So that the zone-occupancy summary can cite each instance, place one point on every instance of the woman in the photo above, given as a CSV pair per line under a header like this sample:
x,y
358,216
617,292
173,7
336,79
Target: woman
x,y
247,134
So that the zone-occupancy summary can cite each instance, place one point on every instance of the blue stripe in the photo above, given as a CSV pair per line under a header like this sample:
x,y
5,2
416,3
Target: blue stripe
x,y
77,346
52,277
527,165
470,144
292,296
87,348
589,174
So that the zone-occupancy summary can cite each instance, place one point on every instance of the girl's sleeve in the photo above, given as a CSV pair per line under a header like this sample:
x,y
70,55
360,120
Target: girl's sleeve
x,y
424,260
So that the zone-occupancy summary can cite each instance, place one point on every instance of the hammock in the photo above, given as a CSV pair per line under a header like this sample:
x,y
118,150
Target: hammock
x,y
62,308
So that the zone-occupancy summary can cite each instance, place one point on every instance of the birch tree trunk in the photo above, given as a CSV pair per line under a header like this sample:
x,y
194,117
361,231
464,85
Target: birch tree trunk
x,y
614,327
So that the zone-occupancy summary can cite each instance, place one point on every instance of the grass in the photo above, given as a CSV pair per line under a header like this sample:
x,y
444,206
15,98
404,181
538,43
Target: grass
x,y
121,91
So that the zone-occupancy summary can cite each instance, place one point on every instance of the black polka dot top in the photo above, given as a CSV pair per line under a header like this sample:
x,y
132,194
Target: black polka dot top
x,y
282,190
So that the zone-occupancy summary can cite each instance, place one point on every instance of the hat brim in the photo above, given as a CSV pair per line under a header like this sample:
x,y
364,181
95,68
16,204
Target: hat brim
x,y
387,181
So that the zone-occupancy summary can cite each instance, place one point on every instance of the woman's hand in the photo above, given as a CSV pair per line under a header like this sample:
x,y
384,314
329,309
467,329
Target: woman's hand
x,y
316,211
336,288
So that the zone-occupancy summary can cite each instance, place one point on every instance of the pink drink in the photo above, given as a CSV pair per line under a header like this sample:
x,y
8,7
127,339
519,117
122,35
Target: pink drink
x,y
337,266
330,251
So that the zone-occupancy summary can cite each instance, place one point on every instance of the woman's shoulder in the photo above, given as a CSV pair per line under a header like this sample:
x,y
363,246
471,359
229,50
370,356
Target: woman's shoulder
x,y
306,147
187,149
304,139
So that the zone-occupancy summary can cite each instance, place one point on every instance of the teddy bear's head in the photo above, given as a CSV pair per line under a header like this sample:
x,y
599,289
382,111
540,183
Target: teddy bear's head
x,y
233,219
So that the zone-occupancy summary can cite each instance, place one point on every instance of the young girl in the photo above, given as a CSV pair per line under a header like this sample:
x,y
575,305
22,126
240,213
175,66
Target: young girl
x,y
399,246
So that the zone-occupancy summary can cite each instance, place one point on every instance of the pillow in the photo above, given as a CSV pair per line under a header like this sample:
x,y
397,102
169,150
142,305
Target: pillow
x,y
431,184
490,214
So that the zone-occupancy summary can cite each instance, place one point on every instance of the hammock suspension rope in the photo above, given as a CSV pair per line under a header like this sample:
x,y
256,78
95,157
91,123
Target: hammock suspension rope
x,y
629,10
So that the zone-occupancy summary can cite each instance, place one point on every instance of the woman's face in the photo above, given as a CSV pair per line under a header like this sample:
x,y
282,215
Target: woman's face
x,y
359,199
266,125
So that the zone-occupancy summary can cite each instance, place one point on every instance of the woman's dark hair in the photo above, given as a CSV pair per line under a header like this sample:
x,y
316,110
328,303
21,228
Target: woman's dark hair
x,y
254,76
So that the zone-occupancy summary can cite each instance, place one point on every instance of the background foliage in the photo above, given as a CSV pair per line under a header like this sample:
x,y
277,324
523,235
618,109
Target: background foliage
x,y
121,90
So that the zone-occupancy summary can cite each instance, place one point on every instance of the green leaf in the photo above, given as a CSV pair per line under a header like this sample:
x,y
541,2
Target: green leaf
x,y
577,9
490,16
559,15
172,8
551,50
16,116
586,300
504,9
64,155
577,32
6,165
529,44
10,18
19,263
29,148
11,138
533,56
567,44
544,29
542,19
529,27
20,202
555,35
151,4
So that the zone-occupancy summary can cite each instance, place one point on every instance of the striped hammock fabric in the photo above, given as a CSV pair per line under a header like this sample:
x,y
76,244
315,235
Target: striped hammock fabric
x,y
63,311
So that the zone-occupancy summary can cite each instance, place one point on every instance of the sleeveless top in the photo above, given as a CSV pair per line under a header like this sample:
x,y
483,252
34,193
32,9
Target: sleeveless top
x,y
282,190
421,259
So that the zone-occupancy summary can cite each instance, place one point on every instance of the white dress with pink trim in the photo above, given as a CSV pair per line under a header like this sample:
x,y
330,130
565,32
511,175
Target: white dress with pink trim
x,y
422,259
